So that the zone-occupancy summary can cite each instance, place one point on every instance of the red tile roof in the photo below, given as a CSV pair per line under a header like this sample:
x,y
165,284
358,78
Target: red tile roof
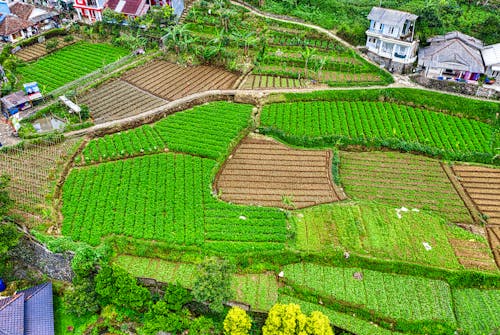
x,y
13,24
128,7
22,10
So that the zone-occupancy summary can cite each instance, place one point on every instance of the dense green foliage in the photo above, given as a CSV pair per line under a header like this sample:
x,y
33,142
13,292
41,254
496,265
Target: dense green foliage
x,y
380,124
219,124
375,230
172,202
451,104
68,64
435,17
477,311
237,322
405,299
213,283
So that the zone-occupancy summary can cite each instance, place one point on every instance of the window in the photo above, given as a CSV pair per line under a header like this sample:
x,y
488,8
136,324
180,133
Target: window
x,y
391,30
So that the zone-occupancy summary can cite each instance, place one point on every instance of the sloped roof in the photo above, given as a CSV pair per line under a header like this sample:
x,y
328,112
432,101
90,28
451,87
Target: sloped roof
x,y
128,7
12,315
28,312
21,10
12,24
472,41
451,54
390,16
38,310
491,54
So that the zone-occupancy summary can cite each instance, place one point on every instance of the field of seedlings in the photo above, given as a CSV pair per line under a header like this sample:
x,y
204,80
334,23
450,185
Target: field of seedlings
x,y
402,180
165,197
379,231
256,82
117,100
477,311
170,81
260,291
379,124
66,65
218,124
264,172
384,295
33,52
33,170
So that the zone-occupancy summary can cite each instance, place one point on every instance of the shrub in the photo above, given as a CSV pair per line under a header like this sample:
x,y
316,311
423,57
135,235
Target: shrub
x,y
237,322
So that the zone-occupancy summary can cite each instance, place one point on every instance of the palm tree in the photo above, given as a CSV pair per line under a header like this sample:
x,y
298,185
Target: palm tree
x,y
307,54
177,37
247,37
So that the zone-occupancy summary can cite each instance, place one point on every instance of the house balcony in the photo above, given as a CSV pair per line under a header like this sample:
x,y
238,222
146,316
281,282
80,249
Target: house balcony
x,y
379,34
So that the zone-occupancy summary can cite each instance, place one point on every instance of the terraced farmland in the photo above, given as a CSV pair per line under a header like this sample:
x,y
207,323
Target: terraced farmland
x,y
263,172
117,100
477,311
38,50
171,82
255,82
381,232
378,124
402,180
385,296
66,65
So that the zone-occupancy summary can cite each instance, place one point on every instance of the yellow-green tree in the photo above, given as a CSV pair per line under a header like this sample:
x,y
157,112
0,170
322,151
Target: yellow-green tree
x,y
288,319
318,324
285,319
237,322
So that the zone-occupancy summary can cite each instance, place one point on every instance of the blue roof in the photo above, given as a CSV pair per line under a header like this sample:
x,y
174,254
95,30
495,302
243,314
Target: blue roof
x,y
12,315
4,7
38,310
28,312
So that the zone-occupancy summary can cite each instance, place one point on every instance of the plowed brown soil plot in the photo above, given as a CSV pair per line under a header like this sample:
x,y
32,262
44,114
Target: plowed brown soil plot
x,y
494,237
119,99
399,179
264,172
171,81
483,186
473,255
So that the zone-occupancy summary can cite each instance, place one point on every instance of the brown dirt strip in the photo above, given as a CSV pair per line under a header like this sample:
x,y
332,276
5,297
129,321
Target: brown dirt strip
x,y
262,172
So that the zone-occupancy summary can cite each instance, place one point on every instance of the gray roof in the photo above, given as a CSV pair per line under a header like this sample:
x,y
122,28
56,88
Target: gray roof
x,y
491,54
390,16
451,54
472,41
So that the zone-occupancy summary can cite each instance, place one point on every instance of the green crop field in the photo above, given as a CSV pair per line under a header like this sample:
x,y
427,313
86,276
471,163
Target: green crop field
x,y
477,311
219,124
70,63
402,180
377,230
380,124
413,299
345,321
163,197
258,290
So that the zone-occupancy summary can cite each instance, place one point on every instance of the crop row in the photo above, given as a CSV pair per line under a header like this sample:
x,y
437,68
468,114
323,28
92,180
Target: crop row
x,y
391,296
165,197
477,311
68,64
206,131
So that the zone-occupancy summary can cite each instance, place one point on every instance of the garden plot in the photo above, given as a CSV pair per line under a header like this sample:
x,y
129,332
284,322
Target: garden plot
x,y
32,170
384,295
483,186
255,82
38,50
473,254
382,232
264,172
477,311
171,81
402,180
117,100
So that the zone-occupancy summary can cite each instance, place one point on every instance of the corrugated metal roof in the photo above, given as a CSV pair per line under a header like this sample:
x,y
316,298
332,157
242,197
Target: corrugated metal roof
x,y
128,7
491,54
390,16
12,315
38,310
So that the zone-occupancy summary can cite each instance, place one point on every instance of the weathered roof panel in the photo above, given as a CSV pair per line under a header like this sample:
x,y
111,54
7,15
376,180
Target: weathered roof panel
x,y
390,16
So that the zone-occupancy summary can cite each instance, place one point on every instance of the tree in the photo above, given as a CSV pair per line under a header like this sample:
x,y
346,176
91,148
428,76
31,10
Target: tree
x,y
307,54
178,37
237,322
213,285
289,320
286,320
318,324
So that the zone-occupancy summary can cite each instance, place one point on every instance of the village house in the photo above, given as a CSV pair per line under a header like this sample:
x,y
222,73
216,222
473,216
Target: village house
x,y
28,312
20,20
453,56
491,58
129,8
89,10
390,39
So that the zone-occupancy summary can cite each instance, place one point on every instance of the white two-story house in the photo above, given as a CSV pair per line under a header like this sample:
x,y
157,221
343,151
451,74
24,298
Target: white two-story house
x,y
390,38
